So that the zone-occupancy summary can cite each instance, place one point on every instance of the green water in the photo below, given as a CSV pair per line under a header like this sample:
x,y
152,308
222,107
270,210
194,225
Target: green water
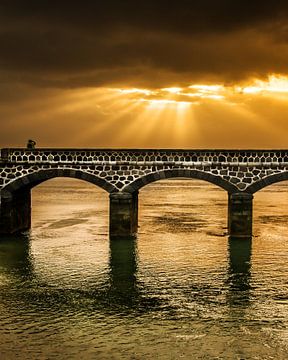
x,y
181,290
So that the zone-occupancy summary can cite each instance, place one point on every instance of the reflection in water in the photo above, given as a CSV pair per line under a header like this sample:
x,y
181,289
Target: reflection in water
x,y
239,270
179,289
123,268
122,282
15,256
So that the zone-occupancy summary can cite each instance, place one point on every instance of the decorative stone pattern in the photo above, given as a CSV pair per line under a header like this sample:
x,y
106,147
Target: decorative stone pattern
x,y
129,170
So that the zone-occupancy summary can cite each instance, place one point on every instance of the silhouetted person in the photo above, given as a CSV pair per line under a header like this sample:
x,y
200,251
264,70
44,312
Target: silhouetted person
x,y
31,144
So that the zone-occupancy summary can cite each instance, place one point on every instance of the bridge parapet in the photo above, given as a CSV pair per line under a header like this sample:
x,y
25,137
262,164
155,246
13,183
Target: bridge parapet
x,y
92,156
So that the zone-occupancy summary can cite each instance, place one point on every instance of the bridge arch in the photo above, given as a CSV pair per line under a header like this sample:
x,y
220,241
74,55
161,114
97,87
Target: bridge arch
x,y
33,179
269,180
191,174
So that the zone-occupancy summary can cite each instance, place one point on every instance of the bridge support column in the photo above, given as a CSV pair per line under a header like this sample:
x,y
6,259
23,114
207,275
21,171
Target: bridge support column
x,y
15,211
240,215
123,214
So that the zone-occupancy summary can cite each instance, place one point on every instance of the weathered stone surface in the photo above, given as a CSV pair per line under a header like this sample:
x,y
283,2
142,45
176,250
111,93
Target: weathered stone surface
x,y
123,214
126,171
240,215
119,169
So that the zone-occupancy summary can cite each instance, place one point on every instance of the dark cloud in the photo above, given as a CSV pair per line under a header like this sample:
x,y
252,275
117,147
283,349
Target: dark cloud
x,y
92,43
185,16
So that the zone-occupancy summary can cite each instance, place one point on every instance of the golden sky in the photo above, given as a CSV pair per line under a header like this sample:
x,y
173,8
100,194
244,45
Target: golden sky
x,y
144,74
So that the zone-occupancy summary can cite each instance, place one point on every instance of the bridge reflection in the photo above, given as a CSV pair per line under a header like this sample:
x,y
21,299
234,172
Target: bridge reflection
x,y
15,257
123,270
239,270
122,287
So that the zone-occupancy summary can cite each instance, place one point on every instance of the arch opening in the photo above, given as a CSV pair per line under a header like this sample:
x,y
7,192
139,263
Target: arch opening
x,y
16,196
183,205
179,173
271,210
65,203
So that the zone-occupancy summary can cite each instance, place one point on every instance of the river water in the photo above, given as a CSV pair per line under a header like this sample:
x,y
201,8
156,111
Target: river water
x,y
182,290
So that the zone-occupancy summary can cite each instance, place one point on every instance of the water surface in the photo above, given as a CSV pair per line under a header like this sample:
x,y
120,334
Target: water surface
x,y
181,290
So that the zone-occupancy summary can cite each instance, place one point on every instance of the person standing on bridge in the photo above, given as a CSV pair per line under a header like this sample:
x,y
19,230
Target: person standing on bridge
x,y
31,144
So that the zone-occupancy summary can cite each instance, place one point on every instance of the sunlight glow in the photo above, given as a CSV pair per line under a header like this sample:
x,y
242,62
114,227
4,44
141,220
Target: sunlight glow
x,y
207,88
251,90
163,102
137,114
173,90
215,97
136,91
275,84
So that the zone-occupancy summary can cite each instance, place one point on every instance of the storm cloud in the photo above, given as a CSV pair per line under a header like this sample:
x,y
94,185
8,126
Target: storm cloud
x,y
141,43
64,64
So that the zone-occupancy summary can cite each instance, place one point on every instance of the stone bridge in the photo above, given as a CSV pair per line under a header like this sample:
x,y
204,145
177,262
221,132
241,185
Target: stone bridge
x,y
123,172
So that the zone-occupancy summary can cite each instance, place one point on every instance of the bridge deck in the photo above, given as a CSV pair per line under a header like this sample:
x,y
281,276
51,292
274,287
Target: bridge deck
x,y
146,156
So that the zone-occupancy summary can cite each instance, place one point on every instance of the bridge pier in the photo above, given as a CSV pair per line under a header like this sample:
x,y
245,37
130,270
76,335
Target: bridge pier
x,y
15,211
240,215
123,214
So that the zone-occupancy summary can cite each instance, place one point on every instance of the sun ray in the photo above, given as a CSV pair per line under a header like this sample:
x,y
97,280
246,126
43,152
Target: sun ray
x,y
165,115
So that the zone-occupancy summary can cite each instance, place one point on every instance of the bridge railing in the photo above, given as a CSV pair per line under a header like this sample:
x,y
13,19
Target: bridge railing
x,y
144,156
